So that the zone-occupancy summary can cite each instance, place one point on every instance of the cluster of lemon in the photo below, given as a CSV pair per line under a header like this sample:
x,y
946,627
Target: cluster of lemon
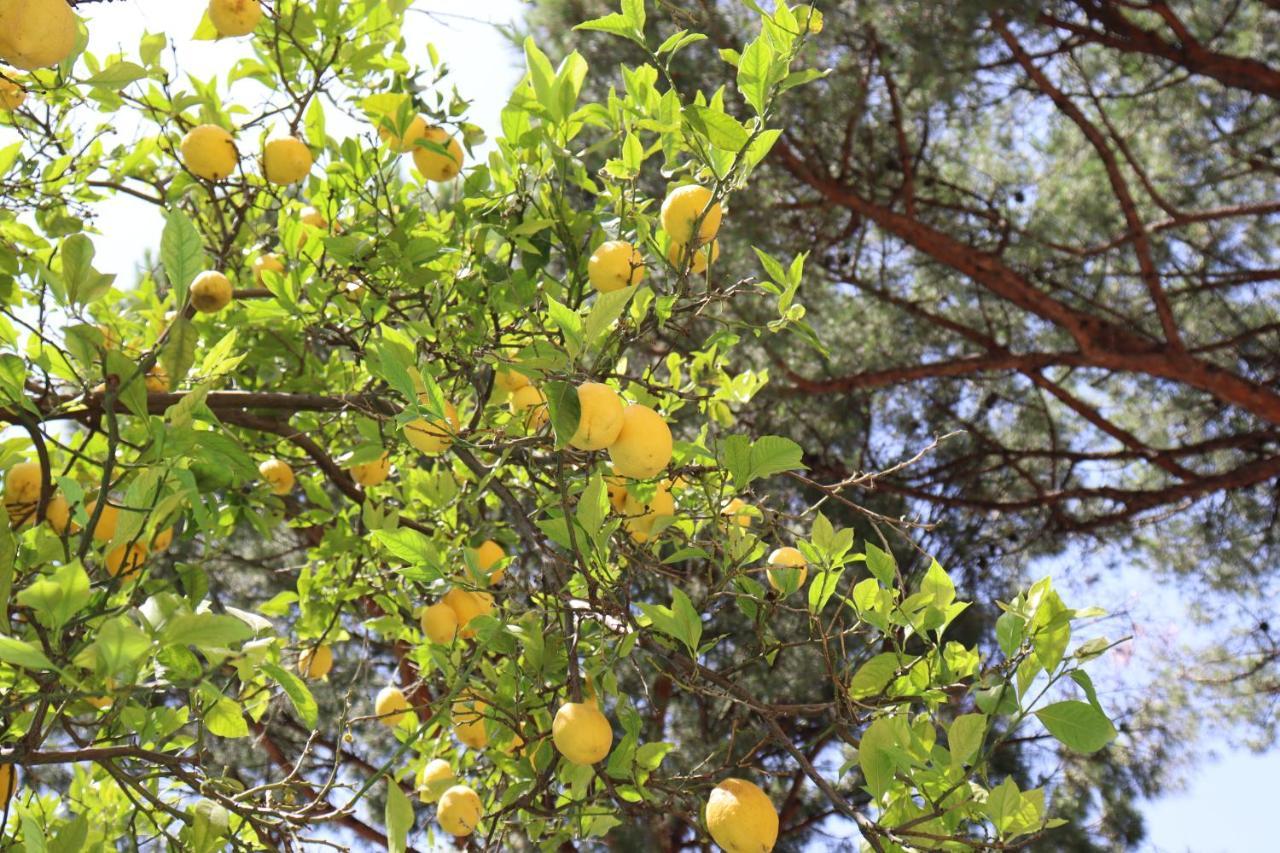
x,y
22,486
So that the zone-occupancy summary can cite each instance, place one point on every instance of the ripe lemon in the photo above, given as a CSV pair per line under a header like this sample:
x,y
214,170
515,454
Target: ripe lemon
x,y
105,529
36,33
234,17
435,165
615,265
736,511
509,380
617,488
741,817
488,554
390,706
533,403
58,514
416,130
439,622
266,263
278,474
698,261
315,661
209,152
786,560
11,94
601,419
372,473
468,721
126,560
434,779
210,292
683,208
8,783
581,733
459,811
22,491
157,380
643,445
162,540
286,160
640,517
433,436
467,605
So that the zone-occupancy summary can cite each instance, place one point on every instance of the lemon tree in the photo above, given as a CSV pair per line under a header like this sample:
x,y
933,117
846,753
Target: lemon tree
x,y
403,493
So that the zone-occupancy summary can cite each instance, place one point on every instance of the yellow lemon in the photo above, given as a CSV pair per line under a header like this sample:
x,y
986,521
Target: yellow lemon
x,y
786,560
459,811
615,265
640,517
488,554
698,262
157,380
416,130
58,514
278,474
468,721
11,94
509,380
315,661
467,605
314,218
209,152
22,486
372,473
36,33
533,404
105,529
433,436
439,622
643,446
162,540
266,263
434,779
601,419
286,160
736,511
8,784
234,17
741,817
581,733
687,206
210,292
126,560
617,488
435,165
390,705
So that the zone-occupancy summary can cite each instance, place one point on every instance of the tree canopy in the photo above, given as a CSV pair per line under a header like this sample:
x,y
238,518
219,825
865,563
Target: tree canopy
x,y
421,486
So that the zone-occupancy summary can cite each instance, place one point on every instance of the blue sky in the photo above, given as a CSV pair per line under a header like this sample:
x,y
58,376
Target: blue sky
x,y
1226,806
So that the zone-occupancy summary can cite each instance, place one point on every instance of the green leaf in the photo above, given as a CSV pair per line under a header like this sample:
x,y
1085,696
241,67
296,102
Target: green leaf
x,y
205,631
1009,632
209,825
296,689
55,598
937,583
882,565
650,755
565,409
1003,803
607,308
399,818
1081,727
119,644
542,76
593,505
23,654
773,454
569,324
118,75
181,253
965,737
687,619
224,718
721,129
874,676
83,283
756,74
822,588
875,755
179,352
412,547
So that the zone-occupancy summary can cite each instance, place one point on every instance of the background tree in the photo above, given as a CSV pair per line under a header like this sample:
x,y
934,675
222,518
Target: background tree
x,y
338,505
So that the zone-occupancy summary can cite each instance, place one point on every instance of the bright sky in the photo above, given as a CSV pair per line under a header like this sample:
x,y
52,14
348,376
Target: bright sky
x,y
1226,810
